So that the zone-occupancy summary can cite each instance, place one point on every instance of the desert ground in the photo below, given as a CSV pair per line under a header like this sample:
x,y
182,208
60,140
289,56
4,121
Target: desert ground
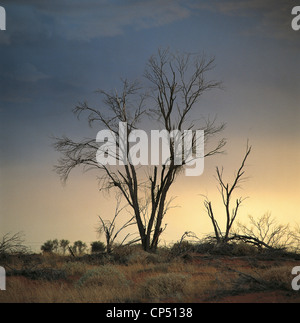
x,y
171,275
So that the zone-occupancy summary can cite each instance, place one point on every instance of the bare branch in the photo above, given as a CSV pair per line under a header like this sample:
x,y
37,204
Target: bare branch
x,y
178,81
265,232
226,191
13,243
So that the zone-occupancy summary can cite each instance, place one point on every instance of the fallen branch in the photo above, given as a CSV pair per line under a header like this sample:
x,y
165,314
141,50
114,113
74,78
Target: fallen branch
x,y
252,240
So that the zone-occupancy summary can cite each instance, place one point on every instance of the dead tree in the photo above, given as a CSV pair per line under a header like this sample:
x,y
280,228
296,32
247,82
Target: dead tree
x,y
226,191
108,227
13,243
265,232
177,82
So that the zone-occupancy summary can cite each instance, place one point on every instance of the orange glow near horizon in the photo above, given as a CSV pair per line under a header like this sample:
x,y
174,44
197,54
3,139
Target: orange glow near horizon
x,y
47,210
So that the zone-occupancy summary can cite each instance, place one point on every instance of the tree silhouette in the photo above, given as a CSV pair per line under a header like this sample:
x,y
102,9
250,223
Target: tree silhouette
x,y
79,247
109,227
12,243
175,83
97,246
226,190
50,246
64,245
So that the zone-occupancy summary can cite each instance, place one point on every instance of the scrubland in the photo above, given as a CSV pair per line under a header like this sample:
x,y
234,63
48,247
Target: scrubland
x,y
130,275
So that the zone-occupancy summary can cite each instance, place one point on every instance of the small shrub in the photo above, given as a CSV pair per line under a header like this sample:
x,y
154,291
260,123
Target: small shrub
x,y
164,285
154,259
103,276
40,274
204,247
244,249
137,257
51,260
121,254
74,268
180,248
134,254
143,257
226,249
277,277
274,278
98,246
155,268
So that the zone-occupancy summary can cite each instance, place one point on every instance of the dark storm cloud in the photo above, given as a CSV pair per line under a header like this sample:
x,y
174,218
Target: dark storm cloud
x,y
271,18
78,20
35,20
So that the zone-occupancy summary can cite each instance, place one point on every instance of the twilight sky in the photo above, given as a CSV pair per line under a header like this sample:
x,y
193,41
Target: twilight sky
x,y
56,54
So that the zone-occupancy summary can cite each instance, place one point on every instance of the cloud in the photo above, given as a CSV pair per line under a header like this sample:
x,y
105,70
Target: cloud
x,y
28,73
78,20
270,18
87,20
241,7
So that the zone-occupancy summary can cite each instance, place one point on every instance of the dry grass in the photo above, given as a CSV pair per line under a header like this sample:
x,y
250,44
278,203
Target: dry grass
x,y
162,286
140,277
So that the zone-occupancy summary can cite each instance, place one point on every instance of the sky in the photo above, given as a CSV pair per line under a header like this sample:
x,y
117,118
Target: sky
x,y
56,54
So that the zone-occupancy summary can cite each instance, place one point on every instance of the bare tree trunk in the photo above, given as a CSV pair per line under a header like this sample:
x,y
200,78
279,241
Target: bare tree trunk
x,y
177,83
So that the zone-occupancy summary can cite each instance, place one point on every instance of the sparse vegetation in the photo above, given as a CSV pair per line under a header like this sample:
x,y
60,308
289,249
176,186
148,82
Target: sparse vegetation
x,y
12,243
226,190
106,275
164,285
266,232
187,272
50,246
97,246
234,261
109,227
